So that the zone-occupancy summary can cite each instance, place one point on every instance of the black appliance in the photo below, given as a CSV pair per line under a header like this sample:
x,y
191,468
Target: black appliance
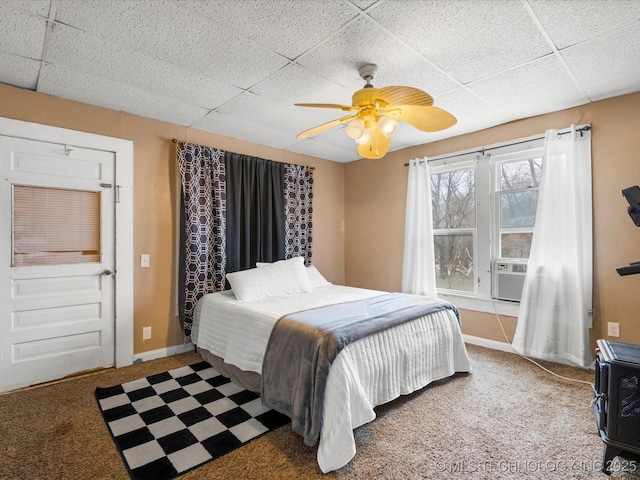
x,y
617,399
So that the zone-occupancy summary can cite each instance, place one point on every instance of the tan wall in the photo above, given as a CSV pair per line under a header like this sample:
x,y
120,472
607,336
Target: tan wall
x,y
368,197
155,194
375,208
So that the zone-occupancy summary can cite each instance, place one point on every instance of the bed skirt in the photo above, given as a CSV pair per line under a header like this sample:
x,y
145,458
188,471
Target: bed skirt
x,y
249,380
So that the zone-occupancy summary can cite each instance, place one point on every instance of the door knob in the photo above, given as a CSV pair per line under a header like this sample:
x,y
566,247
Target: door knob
x,y
107,272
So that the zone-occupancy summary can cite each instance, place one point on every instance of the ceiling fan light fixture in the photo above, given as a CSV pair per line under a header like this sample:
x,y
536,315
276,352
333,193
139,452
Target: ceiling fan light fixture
x,y
387,126
355,128
365,138
375,113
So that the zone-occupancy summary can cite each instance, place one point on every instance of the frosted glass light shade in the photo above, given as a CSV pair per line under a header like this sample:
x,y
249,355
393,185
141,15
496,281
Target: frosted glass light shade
x,y
355,128
365,138
387,126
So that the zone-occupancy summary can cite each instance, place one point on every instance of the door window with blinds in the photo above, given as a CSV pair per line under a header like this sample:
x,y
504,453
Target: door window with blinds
x,y
53,226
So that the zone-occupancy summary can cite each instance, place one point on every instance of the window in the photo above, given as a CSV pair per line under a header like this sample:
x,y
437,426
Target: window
x,y
517,183
484,207
454,221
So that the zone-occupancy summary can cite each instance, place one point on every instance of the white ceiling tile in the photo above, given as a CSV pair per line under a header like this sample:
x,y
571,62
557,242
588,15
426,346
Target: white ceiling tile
x,y
296,84
362,42
243,129
286,118
21,33
94,55
166,31
37,7
19,71
289,28
321,149
472,114
469,39
569,22
364,4
538,87
73,85
603,66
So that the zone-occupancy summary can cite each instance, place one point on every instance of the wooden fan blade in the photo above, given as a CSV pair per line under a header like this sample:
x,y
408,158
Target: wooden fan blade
x,y
346,108
393,96
378,146
325,126
427,119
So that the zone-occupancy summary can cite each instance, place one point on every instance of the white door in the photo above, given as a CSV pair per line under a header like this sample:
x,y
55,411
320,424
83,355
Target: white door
x,y
57,216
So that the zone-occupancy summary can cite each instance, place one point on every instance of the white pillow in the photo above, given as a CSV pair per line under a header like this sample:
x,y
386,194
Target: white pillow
x,y
316,280
276,279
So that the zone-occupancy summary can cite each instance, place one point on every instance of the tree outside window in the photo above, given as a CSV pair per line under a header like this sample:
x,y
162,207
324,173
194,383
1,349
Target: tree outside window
x,y
517,185
454,221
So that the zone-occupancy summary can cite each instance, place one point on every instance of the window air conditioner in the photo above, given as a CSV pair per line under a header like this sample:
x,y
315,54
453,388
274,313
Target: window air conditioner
x,y
508,280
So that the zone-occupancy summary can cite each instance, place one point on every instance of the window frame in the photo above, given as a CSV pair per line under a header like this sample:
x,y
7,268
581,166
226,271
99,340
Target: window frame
x,y
446,168
496,161
487,230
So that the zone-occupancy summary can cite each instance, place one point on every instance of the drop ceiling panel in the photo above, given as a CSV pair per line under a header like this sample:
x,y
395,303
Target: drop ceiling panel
x,y
256,109
240,128
471,39
19,71
99,57
21,33
296,84
315,147
602,66
169,32
74,85
573,21
532,89
473,114
37,7
284,27
363,42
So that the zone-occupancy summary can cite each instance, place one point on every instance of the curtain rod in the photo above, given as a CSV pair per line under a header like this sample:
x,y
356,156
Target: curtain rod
x,y
173,140
586,128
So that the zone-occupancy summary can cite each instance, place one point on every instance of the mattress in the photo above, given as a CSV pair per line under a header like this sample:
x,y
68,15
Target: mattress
x,y
369,372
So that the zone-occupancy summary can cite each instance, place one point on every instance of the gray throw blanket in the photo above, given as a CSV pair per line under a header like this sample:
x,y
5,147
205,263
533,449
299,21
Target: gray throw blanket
x,y
303,345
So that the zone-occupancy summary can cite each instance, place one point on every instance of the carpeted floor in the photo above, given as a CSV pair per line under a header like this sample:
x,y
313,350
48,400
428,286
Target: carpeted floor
x,y
507,419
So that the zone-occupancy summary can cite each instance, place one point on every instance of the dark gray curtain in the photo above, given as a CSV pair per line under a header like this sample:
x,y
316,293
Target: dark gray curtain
x,y
255,215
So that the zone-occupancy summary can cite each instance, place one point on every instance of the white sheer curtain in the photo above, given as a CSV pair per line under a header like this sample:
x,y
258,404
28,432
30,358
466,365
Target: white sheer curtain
x,y
418,266
555,310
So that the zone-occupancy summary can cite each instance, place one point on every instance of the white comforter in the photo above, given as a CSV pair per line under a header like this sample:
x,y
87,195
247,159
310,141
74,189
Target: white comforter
x,y
372,371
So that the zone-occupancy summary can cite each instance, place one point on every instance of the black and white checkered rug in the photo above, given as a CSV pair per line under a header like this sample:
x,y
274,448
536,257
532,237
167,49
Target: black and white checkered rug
x,y
167,424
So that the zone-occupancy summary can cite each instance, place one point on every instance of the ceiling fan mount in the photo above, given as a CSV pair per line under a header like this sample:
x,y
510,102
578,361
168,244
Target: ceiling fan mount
x,y
375,113
367,72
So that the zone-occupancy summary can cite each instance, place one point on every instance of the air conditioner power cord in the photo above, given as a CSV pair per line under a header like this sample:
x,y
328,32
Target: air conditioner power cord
x,y
529,359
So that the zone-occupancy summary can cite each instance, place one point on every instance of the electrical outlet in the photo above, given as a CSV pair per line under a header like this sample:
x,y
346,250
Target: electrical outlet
x,y
146,333
613,329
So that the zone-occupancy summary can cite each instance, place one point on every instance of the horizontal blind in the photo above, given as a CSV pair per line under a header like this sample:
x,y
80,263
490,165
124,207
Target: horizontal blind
x,y
55,226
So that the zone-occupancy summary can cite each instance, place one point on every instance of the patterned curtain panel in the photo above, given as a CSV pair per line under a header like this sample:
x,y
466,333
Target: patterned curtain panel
x,y
203,248
298,184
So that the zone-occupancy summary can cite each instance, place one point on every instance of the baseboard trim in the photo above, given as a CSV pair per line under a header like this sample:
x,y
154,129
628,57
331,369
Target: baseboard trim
x,y
487,343
163,352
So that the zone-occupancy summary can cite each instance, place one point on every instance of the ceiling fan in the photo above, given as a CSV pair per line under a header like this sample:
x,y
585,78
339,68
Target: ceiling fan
x,y
377,112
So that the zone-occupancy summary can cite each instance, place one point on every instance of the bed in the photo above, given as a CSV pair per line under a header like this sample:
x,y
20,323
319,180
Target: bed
x,y
232,330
